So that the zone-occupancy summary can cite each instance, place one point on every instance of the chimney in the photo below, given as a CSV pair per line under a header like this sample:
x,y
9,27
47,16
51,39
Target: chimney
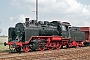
x,y
27,22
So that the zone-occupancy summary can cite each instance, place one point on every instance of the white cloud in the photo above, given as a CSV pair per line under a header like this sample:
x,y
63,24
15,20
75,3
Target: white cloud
x,y
85,11
74,5
19,18
64,10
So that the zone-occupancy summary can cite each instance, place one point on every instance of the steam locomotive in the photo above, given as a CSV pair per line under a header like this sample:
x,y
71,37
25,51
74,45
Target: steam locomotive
x,y
37,35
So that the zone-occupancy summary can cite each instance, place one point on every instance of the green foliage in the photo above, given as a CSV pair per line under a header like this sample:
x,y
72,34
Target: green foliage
x,y
3,48
3,36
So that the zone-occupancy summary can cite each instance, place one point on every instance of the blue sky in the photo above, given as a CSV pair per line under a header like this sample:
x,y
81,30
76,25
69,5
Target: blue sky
x,y
84,2
77,12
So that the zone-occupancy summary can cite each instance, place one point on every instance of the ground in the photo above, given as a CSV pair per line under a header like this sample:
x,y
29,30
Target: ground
x,y
3,39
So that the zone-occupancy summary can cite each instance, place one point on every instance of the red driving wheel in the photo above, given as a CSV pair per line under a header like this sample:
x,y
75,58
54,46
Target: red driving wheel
x,y
58,46
41,48
26,48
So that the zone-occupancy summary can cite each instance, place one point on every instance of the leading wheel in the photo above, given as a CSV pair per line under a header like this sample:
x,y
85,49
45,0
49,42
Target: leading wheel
x,y
18,49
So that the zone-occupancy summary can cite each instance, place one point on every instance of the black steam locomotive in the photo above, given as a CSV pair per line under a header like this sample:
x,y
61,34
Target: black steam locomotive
x,y
23,31
38,35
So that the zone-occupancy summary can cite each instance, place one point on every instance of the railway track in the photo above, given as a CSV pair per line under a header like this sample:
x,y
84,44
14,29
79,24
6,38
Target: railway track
x,y
80,53
4,53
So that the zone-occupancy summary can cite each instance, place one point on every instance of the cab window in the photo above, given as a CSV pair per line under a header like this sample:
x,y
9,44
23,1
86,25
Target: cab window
x,y
64,28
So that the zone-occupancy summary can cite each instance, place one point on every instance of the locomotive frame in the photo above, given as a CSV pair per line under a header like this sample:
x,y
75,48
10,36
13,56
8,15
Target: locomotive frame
x,y
33,35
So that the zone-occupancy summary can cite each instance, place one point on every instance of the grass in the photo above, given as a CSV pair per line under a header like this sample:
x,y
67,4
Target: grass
x,y
3,48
